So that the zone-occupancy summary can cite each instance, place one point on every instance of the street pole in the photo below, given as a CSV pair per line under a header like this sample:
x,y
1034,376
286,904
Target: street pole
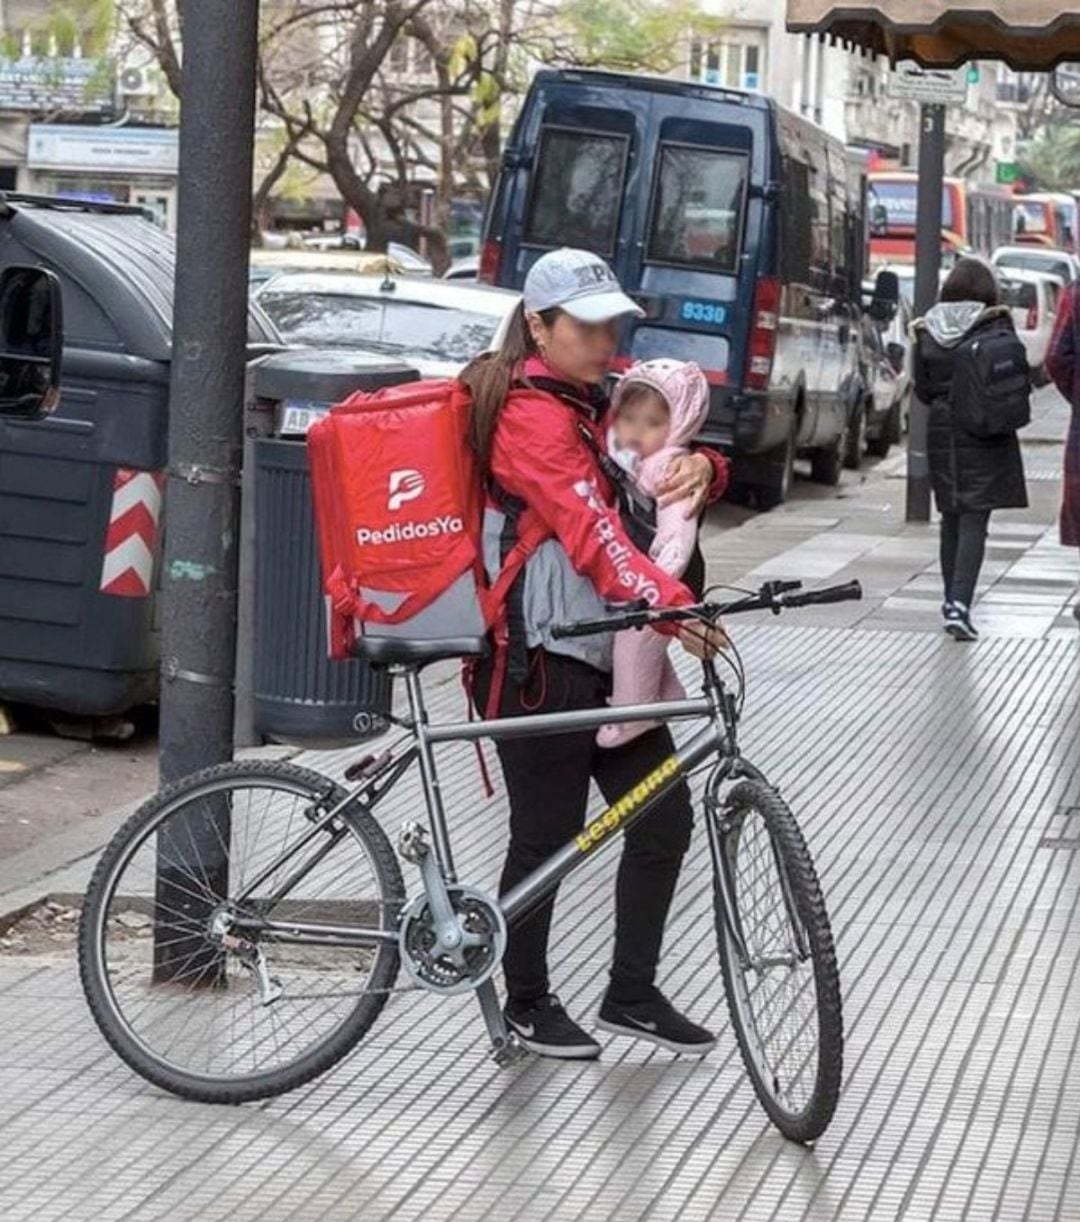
x,y
927,269
217,126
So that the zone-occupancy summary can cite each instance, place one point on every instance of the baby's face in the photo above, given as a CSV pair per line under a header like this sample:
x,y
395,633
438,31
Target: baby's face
x,y
642,424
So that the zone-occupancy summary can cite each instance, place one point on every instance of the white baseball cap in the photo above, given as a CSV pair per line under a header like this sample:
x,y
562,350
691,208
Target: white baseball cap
x,y
578,282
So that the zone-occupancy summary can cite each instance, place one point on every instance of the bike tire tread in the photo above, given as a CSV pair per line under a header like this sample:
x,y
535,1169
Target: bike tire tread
x,y
322,1056
814,1119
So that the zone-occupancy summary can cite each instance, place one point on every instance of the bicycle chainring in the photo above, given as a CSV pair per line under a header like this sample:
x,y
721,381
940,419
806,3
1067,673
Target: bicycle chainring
x,y
479,918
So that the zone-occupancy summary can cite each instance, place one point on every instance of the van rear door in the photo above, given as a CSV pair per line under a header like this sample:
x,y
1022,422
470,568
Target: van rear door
x,y
694,262
569,176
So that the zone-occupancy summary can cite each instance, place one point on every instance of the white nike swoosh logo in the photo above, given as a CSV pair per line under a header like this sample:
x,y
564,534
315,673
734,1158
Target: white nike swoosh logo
x,y
528,1031
638,1023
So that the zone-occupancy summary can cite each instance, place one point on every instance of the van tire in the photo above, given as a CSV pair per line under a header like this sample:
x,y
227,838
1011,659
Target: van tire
x,y
879,446
895,423
826,465
854,440
780,464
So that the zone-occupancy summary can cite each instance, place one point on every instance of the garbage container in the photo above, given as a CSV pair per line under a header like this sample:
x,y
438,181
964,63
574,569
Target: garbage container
x,y
81,491
300,695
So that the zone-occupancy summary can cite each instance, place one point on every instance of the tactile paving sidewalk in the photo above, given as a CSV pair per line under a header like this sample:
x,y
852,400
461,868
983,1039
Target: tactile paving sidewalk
x,y
939,789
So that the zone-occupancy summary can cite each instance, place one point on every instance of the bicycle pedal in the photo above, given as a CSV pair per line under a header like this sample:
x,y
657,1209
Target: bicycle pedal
x,y
509,1052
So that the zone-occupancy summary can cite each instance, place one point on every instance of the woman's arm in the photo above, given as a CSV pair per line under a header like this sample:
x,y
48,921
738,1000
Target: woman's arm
x,y
539,457
700,477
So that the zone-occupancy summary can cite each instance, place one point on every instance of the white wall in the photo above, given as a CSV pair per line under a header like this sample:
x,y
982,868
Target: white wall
x,y
804,74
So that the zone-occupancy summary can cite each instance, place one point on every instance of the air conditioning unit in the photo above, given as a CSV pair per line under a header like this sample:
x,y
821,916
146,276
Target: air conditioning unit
x,y
136,83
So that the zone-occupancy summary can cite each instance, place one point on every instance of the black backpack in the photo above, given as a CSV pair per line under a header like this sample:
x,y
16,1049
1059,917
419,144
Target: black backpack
x,y
991,387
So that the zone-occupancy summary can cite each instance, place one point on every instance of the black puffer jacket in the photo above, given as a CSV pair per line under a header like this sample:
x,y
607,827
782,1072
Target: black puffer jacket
x,y
967,472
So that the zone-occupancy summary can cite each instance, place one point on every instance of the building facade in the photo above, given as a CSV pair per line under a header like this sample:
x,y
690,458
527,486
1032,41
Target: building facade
x,y
82,114
847,93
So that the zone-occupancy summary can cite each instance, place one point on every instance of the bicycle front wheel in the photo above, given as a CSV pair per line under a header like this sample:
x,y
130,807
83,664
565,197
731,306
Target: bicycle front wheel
x,y
778,961
188,951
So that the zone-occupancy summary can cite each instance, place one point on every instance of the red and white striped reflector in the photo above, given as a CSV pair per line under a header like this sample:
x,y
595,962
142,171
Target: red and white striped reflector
x,y
128,566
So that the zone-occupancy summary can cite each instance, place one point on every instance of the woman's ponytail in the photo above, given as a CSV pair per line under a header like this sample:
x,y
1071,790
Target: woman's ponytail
x,y
489,378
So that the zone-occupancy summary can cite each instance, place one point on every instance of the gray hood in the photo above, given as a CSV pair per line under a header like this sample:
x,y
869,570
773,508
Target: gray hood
x,y
950,321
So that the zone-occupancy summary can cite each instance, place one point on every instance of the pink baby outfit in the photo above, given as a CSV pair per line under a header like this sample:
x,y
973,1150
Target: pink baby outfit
x,y
643,673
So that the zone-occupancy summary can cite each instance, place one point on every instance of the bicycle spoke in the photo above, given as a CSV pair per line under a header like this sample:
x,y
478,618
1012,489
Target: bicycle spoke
x,y
187,999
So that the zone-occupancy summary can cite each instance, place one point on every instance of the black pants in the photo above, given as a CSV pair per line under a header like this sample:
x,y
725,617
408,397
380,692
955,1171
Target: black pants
x,y
547,780
963,546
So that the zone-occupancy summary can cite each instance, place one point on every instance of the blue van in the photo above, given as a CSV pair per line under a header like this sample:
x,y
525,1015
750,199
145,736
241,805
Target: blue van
x,y
736,225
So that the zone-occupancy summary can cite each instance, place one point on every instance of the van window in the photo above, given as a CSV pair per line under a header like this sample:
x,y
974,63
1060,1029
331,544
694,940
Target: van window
x,y
698,207
651,343
795,238
577,190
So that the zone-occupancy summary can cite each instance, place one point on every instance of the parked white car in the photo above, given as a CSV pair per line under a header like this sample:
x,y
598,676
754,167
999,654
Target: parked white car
x,y
436,326
1034,298
1060,263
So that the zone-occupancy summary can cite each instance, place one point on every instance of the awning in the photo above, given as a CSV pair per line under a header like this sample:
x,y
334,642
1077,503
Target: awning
x,y
1029,35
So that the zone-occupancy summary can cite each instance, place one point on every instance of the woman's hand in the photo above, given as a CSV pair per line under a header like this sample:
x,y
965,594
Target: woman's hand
x,y
688,477
703,641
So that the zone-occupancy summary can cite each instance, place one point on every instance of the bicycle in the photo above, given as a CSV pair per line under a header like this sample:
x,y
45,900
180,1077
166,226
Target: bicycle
x,y
205,971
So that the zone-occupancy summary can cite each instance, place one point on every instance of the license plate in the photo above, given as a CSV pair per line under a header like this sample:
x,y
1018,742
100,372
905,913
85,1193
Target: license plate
x,y
297,416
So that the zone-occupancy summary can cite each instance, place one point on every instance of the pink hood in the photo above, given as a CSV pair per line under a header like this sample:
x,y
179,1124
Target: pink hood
x,y
682,386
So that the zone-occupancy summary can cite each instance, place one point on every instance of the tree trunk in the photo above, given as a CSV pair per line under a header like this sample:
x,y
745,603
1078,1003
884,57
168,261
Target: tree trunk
x,y
260,219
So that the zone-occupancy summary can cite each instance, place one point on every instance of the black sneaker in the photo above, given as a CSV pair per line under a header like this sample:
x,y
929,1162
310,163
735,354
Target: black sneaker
x,y
656,1020
958,623
544,1027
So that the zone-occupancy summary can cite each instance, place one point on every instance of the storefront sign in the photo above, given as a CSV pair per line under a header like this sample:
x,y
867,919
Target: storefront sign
x,y
59,85
128,150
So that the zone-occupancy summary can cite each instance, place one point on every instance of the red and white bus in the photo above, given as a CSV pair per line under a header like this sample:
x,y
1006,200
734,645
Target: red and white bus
x,y
1046,218
973,217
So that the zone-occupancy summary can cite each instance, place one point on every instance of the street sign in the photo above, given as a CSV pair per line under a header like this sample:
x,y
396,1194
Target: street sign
x,y
943,86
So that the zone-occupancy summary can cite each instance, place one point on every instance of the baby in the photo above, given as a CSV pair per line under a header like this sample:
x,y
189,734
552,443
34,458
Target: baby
x,y
659,406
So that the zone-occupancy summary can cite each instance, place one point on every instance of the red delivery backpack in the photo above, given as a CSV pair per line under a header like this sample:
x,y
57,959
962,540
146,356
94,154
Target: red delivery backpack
x,y
398,510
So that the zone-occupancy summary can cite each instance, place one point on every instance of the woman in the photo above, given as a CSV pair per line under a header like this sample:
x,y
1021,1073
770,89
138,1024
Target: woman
x,y
539,448
1064,368
971,476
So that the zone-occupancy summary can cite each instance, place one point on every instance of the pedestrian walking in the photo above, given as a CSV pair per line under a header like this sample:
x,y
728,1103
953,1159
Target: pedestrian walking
x,y
971,371
1063,365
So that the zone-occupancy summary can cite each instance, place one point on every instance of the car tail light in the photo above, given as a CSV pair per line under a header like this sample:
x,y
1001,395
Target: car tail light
x,y
490,257
1032,323
763,332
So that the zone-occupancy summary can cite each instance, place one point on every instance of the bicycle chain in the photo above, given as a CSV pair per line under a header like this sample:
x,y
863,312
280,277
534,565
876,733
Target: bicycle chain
x,y
402,988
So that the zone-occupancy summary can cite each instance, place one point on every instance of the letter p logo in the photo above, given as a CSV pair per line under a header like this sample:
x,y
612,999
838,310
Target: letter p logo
x,y
405,485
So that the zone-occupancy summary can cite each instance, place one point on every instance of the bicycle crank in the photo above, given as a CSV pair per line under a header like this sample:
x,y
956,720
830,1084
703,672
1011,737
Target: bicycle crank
x,y
451,938
470,959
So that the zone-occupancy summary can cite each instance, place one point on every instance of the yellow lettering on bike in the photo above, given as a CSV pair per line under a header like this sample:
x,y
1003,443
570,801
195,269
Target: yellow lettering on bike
x,y
612,819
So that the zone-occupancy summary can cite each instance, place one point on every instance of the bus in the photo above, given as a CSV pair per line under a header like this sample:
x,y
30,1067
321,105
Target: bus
x,y
973,217
1046,218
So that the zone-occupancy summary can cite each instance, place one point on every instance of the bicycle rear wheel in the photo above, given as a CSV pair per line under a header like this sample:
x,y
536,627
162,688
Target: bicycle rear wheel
x,y
215,1010
784,992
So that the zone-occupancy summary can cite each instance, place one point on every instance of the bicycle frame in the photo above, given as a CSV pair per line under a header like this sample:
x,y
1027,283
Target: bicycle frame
x,y
718,737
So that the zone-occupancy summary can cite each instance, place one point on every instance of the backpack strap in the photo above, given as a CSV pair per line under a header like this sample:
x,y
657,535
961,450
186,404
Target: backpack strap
x,y
616,475
504,600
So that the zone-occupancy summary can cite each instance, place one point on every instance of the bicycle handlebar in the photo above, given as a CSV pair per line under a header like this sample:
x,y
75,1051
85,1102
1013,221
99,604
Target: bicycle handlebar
x,y
774,596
